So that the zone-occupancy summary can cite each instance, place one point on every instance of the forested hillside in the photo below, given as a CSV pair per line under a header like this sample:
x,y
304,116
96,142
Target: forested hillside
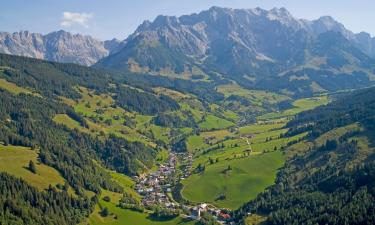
x,y
88,127
27,119
329,177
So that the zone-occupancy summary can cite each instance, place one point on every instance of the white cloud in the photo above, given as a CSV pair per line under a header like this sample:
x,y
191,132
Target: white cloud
x,y
71,18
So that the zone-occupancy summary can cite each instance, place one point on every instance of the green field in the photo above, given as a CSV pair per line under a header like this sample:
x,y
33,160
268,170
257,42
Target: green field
x,y
298,106
69,122
249,176
195,142
212,122
13,88
125,216
255,96
101,117
265,139
15,160
259,128
255,219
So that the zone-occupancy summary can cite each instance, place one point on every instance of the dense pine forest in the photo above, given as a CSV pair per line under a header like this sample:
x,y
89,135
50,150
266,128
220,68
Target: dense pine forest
x,y
24,204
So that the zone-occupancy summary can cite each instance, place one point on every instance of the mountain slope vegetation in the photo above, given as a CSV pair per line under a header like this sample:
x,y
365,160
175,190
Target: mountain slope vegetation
x,y
328,178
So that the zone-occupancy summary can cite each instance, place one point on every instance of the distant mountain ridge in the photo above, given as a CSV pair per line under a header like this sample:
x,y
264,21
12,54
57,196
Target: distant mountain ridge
x,y
60,46
196,35
257,48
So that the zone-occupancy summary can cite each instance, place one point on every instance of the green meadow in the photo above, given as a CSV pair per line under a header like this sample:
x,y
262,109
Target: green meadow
x,y
15,160
298,106
248,177
212,122
119,216
250,173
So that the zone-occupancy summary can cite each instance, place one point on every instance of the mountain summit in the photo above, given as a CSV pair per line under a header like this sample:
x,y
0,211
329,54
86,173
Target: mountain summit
x,y
58,46
255,47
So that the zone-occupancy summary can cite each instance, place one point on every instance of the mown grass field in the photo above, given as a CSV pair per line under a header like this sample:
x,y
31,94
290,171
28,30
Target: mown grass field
x,y
298,106
69,122
249,176
125,216
255,219
255,96
265,139
15,160
195,142
212,122
13,88
259,128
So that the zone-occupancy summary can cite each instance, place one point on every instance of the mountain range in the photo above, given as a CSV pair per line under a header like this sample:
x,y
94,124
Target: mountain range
x,y
60,46
211,36
256,48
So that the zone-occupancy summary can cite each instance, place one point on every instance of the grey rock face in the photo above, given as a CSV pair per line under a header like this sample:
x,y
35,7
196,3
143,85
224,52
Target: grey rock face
x,y
257,48
362,40
229,38
57,46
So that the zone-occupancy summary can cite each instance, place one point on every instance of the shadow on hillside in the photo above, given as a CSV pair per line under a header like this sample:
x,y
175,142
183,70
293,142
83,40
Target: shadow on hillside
x,y
369,126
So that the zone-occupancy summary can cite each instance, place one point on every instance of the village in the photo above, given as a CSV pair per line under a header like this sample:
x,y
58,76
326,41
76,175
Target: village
x,y
156,189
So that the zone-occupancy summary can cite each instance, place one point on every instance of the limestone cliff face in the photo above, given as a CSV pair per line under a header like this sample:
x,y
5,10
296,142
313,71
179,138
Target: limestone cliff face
x,y
57,46
233,40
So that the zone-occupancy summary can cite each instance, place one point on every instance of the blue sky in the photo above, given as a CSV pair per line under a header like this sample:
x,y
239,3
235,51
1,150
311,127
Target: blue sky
x,y
105,19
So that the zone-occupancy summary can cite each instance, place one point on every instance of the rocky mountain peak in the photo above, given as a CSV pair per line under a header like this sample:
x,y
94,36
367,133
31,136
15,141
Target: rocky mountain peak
x,y
61,46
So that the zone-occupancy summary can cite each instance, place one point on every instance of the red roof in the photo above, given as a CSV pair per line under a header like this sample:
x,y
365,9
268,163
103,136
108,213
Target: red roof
x,y
224,215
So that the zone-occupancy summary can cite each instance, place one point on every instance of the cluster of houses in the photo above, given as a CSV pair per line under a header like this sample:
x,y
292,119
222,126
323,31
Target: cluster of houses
x,y
221,215
155,186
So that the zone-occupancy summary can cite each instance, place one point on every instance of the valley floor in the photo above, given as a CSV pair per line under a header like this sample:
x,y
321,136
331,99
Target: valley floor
x,y
222,170
226,164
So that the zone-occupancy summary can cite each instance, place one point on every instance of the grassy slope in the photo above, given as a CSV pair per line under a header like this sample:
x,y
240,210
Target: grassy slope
x,y
69,122
213,122
255,96
127,217
90,106
248,177
250,174
255,219
195,142
124,216
13,88
15,160
299,106
212,183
